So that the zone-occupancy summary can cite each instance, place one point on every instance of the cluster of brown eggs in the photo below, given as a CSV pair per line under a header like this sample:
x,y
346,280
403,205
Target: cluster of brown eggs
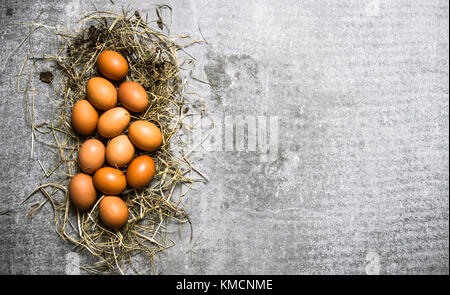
x,y
120,150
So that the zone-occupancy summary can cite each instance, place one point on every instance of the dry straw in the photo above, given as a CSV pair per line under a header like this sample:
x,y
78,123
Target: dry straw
x,y
153,62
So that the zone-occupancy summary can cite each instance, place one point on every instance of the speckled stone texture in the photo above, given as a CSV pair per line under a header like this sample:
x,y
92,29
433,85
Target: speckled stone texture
x,y
359,183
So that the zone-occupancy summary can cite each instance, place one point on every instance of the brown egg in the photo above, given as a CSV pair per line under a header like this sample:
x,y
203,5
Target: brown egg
x,y
113,211
84,117
110,181
112,65
140,172
113,122
101,93
91,155
119,151
145,135
133,96
82,191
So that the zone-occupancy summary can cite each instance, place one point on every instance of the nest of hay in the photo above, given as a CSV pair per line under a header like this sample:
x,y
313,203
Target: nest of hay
x,y
152,56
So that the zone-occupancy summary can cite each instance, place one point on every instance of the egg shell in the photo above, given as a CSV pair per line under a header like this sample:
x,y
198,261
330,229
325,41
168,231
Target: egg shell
x,y
119,151
113,211
145,135
113,122
101,93
112,65
133,96
84,117
91,155
82,192
110,181
140,171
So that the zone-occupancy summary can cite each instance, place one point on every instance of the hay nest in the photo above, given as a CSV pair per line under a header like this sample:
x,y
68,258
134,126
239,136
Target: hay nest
x,y
153,61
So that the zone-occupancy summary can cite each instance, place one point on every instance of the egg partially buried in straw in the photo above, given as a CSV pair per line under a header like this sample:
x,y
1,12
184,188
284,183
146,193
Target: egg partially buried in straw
x,y
112,65
84,117
91,155
133,96
145,135
140,172
119,151
113,122
101,93
82,191
113,211
110,181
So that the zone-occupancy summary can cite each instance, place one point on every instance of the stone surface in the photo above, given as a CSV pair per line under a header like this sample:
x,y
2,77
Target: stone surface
x,y
359,181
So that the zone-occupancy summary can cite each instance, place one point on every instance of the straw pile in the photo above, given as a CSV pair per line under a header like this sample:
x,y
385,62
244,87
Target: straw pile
x,y
153,61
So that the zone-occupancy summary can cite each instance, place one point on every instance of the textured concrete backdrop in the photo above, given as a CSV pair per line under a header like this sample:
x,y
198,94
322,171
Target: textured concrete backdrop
x,y
360,182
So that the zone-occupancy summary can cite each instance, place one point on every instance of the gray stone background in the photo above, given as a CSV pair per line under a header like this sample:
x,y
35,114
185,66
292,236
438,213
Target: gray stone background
x,y
360,181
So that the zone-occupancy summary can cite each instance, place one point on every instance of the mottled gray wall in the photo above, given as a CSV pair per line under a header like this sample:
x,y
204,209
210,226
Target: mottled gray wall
x,y
359,183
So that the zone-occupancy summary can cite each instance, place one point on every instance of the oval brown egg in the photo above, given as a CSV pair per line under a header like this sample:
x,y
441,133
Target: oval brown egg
x,y
101,93
110,181
84,117
112,65
145,135
119,151
133,96
82,191
113,122
140,172
91,155
113,211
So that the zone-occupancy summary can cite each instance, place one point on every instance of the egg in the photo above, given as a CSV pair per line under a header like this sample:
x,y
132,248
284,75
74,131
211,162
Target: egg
x,y
140,172
145,135
119,151
112,65
84,117
91,155
113,211
110,181
82,192
133,96
101,93
113,122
